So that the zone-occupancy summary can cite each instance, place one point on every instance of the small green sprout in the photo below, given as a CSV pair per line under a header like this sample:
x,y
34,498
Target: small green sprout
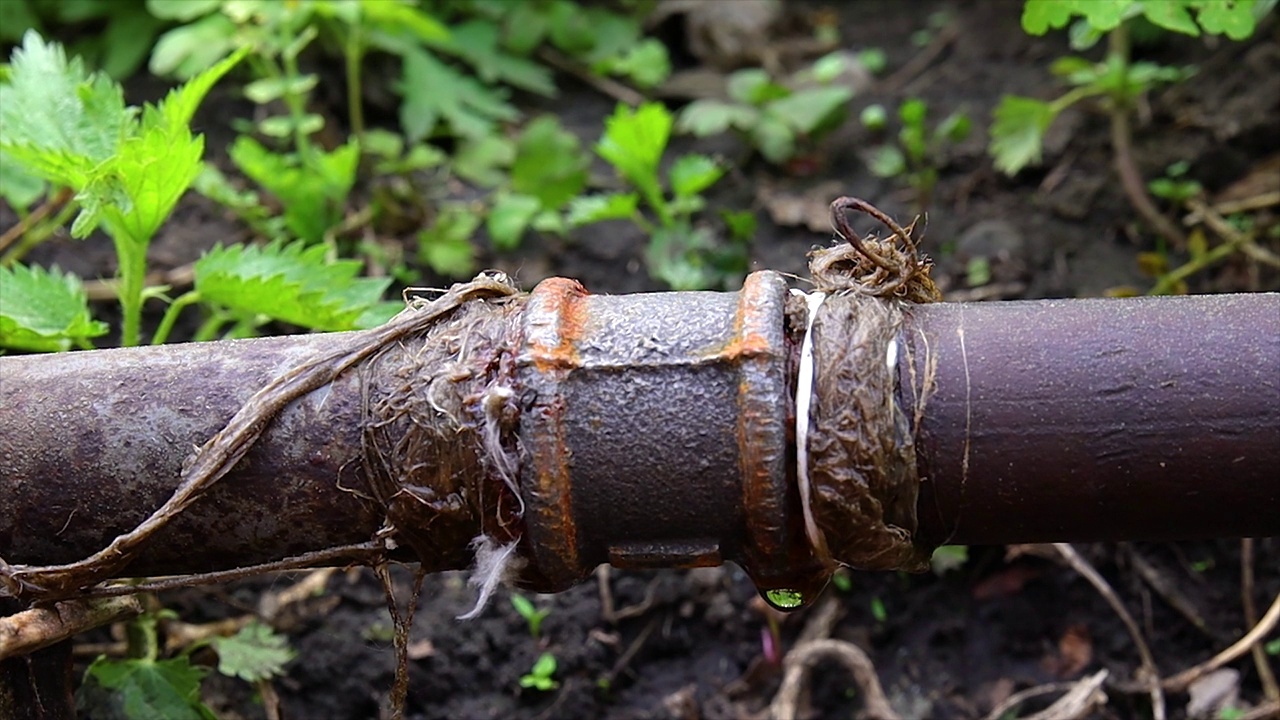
x,y
878,610
531,614
542,675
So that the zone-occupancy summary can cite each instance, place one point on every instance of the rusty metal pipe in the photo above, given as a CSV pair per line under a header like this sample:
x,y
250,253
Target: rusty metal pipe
x,y
1135,419
655,430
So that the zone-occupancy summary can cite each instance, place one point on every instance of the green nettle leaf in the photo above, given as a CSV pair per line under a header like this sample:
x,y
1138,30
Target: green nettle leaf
x,y
481,159
1018,132
446,246
43,310
187,49
397,16
598,208
712,117
808,110
509,217
550,164
255,653
647,63
59,121
692,174
135,191
18,187
313,196
634,141
154,688
476,43
292,283
434,92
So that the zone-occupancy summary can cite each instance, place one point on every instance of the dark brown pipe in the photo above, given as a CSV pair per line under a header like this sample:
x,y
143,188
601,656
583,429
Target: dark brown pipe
x,y
1134,419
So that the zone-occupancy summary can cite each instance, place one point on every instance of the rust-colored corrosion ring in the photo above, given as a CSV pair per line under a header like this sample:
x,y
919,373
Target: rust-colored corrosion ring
x,y
612,386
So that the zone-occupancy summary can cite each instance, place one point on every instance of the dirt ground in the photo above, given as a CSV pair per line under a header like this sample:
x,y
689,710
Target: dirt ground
x,y
694,644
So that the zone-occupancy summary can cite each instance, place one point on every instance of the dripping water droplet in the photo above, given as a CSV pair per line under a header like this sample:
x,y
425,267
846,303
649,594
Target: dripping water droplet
x,y
784,598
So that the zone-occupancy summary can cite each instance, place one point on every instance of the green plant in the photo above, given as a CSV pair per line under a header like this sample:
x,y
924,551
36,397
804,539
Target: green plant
x,y
112,37
607,42
878,610
842,580
72,129
919,151
249,285
1273,647
1175,186
1020,123
949,557
148,686
681,253
542,675
780,122
530,612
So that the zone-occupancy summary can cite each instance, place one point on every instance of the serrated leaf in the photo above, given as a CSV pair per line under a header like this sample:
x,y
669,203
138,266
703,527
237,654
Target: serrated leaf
x,y
18,187
187,49
146,178
254,653
647,63
446,246
434,92
154,688
43,310
550,163
59,121
1039,16
481,160
476,43
399,15
1017,132
598,208
634,141
692,174
313,196
136,190
509,217
292,283
712,117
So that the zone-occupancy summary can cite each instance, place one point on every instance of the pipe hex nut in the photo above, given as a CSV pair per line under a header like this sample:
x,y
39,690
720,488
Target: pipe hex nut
x,y
655,433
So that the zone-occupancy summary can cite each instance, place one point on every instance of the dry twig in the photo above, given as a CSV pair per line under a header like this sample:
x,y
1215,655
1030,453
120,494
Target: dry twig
x,y
1179,682
1151,675
804,657
1265,675
31,630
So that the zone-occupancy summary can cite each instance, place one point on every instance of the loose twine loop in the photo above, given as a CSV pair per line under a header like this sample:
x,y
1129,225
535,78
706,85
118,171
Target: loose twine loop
x,y
856,460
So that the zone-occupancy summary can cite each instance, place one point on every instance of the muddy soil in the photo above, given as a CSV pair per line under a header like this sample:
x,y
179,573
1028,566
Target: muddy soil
x,y
695,644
